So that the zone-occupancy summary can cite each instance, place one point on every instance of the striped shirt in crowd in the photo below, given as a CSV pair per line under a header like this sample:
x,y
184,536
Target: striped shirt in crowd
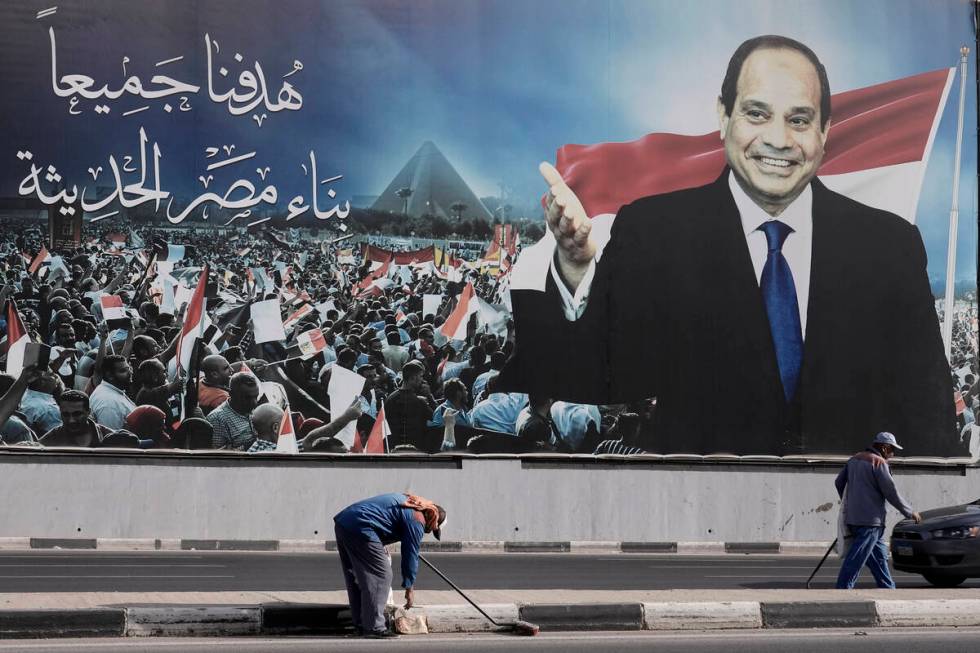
x,y
232,430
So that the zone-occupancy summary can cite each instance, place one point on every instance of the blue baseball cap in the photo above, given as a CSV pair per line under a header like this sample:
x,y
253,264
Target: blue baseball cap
x,y
886,438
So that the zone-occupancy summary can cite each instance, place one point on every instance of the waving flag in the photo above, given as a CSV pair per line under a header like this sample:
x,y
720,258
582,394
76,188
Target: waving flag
x,y
170,253
194,323
42,257
877,152
311,343
298,315
377,442
286,442
112,307
454,327
17,339
378,273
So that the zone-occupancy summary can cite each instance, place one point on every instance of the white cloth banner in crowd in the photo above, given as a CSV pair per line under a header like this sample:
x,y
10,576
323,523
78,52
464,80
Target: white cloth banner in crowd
x,y
267,321
430,304
344,386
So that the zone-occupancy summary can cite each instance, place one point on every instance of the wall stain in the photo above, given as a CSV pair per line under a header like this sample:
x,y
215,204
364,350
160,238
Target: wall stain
x,y
824,507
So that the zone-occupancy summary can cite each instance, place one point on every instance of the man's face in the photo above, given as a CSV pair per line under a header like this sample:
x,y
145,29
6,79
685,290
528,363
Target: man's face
x,y
148,348
773,140
157,375
245,398
50,383
370,378
66,336
74,416
221,373
121,376
457,396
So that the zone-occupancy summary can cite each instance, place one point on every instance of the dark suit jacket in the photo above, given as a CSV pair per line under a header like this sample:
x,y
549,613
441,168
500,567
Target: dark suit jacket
x,y
675,311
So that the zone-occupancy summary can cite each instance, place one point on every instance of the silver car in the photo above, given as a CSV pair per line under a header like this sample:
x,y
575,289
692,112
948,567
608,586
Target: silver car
x,y
944,548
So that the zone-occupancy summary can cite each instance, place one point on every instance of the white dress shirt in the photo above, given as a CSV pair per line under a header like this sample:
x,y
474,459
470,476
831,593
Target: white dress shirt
x,y
797,249
110,406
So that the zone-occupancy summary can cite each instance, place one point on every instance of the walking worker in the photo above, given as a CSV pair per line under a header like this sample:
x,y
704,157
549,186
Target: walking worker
x,y
864,485
363,529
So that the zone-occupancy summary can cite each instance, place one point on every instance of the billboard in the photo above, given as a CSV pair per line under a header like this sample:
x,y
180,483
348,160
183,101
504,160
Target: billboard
x,y
756,228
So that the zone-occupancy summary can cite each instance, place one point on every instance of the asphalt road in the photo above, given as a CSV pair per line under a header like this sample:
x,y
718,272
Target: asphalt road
x,y
906,640
190,571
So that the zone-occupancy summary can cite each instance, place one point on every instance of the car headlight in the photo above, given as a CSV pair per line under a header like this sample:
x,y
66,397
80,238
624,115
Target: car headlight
x,y
956,533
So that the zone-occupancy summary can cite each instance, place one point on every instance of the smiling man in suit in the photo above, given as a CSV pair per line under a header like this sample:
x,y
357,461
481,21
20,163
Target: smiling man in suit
x,y
767,314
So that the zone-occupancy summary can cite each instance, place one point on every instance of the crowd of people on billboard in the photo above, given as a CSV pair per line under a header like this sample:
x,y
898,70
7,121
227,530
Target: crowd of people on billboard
x,y
100,341
248,341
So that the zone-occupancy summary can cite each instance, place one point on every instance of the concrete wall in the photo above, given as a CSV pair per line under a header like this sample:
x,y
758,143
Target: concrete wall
x,y
214,496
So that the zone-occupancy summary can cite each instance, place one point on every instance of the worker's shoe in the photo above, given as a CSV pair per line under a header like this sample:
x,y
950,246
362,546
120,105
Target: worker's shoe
x,y
381,634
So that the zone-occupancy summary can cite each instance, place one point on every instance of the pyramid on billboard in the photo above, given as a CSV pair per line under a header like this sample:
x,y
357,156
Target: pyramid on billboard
x,y
435,187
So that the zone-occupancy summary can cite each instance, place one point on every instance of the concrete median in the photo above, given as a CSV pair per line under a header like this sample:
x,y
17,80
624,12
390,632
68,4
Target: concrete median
x,y
38,624
142,619
182,621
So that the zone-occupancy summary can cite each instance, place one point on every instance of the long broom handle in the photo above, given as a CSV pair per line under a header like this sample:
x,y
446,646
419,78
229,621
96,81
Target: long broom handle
x,y
822,560
461,592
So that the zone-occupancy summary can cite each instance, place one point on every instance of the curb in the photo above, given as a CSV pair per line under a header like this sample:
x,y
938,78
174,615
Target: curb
x,y
585,616
492,546
702,615
334,619
819,614
41,624
181,621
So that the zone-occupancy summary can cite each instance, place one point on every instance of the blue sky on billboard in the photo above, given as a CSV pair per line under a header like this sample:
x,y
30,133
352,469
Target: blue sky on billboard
x,y
497,85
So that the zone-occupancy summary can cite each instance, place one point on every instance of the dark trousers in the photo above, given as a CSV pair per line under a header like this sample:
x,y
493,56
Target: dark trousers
x,y
367,574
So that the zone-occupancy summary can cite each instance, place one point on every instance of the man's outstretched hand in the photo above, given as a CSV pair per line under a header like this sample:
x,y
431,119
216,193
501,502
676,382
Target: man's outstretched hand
x,y
570,225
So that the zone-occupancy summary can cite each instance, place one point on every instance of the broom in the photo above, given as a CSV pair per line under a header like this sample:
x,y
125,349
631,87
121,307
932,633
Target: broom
x,y
519,627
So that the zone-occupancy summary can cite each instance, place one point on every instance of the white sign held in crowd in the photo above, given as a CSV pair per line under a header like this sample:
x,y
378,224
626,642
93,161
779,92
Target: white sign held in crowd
x,y
267,322
344,386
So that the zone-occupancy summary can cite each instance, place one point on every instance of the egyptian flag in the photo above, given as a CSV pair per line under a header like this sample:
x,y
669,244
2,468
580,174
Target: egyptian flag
x,y
194,323
357,447
298,315
169,253
377,441
379,273
17,339
454,327
286,442
311,343
44,256
876,153
959,402
112,308
375,289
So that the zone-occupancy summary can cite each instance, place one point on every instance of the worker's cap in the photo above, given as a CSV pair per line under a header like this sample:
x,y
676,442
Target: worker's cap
x,y
887,438
437,531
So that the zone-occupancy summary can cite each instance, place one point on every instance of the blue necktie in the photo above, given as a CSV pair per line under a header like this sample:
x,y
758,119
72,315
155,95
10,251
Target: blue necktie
x,y
779,294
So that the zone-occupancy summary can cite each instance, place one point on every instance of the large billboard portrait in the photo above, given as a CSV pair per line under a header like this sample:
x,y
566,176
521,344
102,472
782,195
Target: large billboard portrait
x,y
494,227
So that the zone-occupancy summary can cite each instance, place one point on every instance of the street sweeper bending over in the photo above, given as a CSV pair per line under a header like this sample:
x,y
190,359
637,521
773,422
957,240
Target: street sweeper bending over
x,y
363,529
